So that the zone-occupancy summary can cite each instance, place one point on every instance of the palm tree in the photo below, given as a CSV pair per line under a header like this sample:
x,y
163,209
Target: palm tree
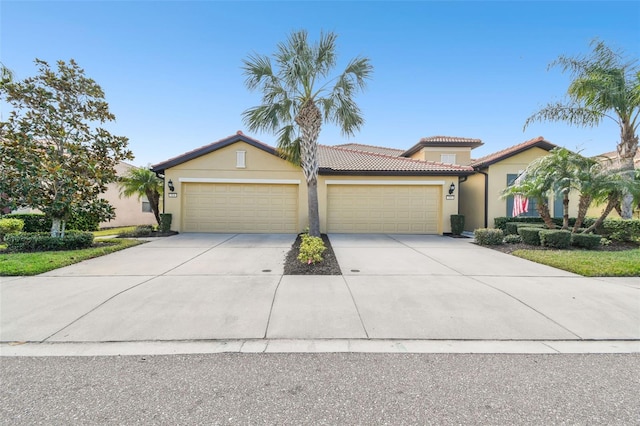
x,y
142,182
604,86
299,97
533,184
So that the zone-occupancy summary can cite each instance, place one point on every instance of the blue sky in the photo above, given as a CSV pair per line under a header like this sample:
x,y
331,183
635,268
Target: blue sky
x,y
171,70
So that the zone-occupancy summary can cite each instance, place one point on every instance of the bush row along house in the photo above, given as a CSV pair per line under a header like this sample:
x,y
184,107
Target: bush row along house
x,y
239,184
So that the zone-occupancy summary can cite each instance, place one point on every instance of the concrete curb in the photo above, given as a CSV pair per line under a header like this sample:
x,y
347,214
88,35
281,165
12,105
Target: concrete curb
x,y
320,346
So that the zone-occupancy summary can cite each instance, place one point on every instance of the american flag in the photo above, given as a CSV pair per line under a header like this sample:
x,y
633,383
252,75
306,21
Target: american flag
x,y
520,205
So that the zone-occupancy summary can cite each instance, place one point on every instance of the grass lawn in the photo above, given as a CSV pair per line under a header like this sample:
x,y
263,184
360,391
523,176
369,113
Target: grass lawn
x,y
113,231
587,263
13,264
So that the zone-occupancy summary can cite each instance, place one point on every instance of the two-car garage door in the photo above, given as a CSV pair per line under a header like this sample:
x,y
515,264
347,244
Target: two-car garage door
x,y
240,207
399,209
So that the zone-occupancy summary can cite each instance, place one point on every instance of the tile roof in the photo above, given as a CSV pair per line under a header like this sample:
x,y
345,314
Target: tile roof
x,y
442,141
336,160
370,148
361,160
221,143
614,154
490,159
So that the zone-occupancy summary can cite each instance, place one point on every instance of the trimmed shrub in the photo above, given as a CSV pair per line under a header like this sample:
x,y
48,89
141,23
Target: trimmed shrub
x,y
43,241
530,236
10,226
620,229
165,222
511,228
512,239
83,221
457,224
555,238
311,249
586,241
139,231
501,222
488,236
33,222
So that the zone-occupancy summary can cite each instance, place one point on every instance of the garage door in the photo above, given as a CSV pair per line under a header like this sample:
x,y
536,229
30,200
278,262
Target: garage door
x,y
235,207
401,209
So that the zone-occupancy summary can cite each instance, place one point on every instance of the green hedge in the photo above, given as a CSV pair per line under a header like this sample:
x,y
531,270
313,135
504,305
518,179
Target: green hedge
x,y
620,229
33,222
43,241
488,236
512,227
10,226
555,238
586,241
165,222
457,224
501,222
530,235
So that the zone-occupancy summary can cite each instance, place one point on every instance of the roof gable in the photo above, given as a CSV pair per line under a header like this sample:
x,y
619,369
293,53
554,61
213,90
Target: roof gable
x,y
442,141
214,146
490,159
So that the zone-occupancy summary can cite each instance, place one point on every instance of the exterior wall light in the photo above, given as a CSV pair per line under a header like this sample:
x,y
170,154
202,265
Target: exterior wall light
x,y
172,188
452,188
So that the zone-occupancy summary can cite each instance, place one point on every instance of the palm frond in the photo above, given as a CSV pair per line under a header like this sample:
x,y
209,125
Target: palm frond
x,y
570,113
289,144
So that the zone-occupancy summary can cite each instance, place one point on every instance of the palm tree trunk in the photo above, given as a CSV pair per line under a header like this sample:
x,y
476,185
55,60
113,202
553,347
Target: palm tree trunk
x,y
583,207
154,202
310,120
627,149
612,200
565,210
543,211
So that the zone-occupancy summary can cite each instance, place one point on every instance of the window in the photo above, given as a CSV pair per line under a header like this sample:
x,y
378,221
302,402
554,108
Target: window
x,y
448,158
241,159
146,207
531,210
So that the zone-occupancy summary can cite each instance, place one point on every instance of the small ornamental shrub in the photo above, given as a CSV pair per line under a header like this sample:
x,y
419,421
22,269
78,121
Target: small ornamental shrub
x,y
43,241
512,239
457,224
620,229
33,222
511,228
311,249
586,241
488,236
530,235
165,222
139,231
10,226
555,238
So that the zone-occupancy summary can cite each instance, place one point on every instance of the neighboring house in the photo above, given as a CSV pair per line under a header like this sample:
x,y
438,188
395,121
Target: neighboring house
x,y
129,210
239,184
596,209
480,200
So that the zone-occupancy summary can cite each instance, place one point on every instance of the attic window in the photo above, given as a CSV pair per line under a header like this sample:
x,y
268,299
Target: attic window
x,y
448,158
241,157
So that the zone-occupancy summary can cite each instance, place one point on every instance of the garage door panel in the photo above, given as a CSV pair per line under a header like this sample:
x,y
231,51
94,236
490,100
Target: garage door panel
x,y
222,207
383,208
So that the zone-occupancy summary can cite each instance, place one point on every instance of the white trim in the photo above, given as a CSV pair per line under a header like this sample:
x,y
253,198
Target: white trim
x,y
385,182
229,180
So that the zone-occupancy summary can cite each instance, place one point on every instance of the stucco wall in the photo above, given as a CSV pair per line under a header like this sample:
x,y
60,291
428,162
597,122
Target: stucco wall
x,y
472,202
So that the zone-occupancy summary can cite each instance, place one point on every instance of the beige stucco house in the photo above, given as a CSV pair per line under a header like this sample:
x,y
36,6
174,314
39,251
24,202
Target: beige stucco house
x,y
129,210
239,184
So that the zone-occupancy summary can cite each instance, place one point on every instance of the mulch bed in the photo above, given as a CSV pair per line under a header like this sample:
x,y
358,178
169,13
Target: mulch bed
x,y
328,266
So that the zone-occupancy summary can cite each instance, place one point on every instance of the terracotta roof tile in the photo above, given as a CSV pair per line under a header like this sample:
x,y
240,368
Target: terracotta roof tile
x,y
338,159
442,141
516,149
370,148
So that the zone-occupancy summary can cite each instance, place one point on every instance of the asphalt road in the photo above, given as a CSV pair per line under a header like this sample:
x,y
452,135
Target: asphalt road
x,y
345,388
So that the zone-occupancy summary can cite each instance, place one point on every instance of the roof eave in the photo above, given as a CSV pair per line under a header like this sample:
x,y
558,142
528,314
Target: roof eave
x,y
161,167
543,144
333,172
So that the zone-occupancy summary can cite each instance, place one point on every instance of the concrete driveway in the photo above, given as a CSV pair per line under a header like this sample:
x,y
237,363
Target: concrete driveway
x,y
215,287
